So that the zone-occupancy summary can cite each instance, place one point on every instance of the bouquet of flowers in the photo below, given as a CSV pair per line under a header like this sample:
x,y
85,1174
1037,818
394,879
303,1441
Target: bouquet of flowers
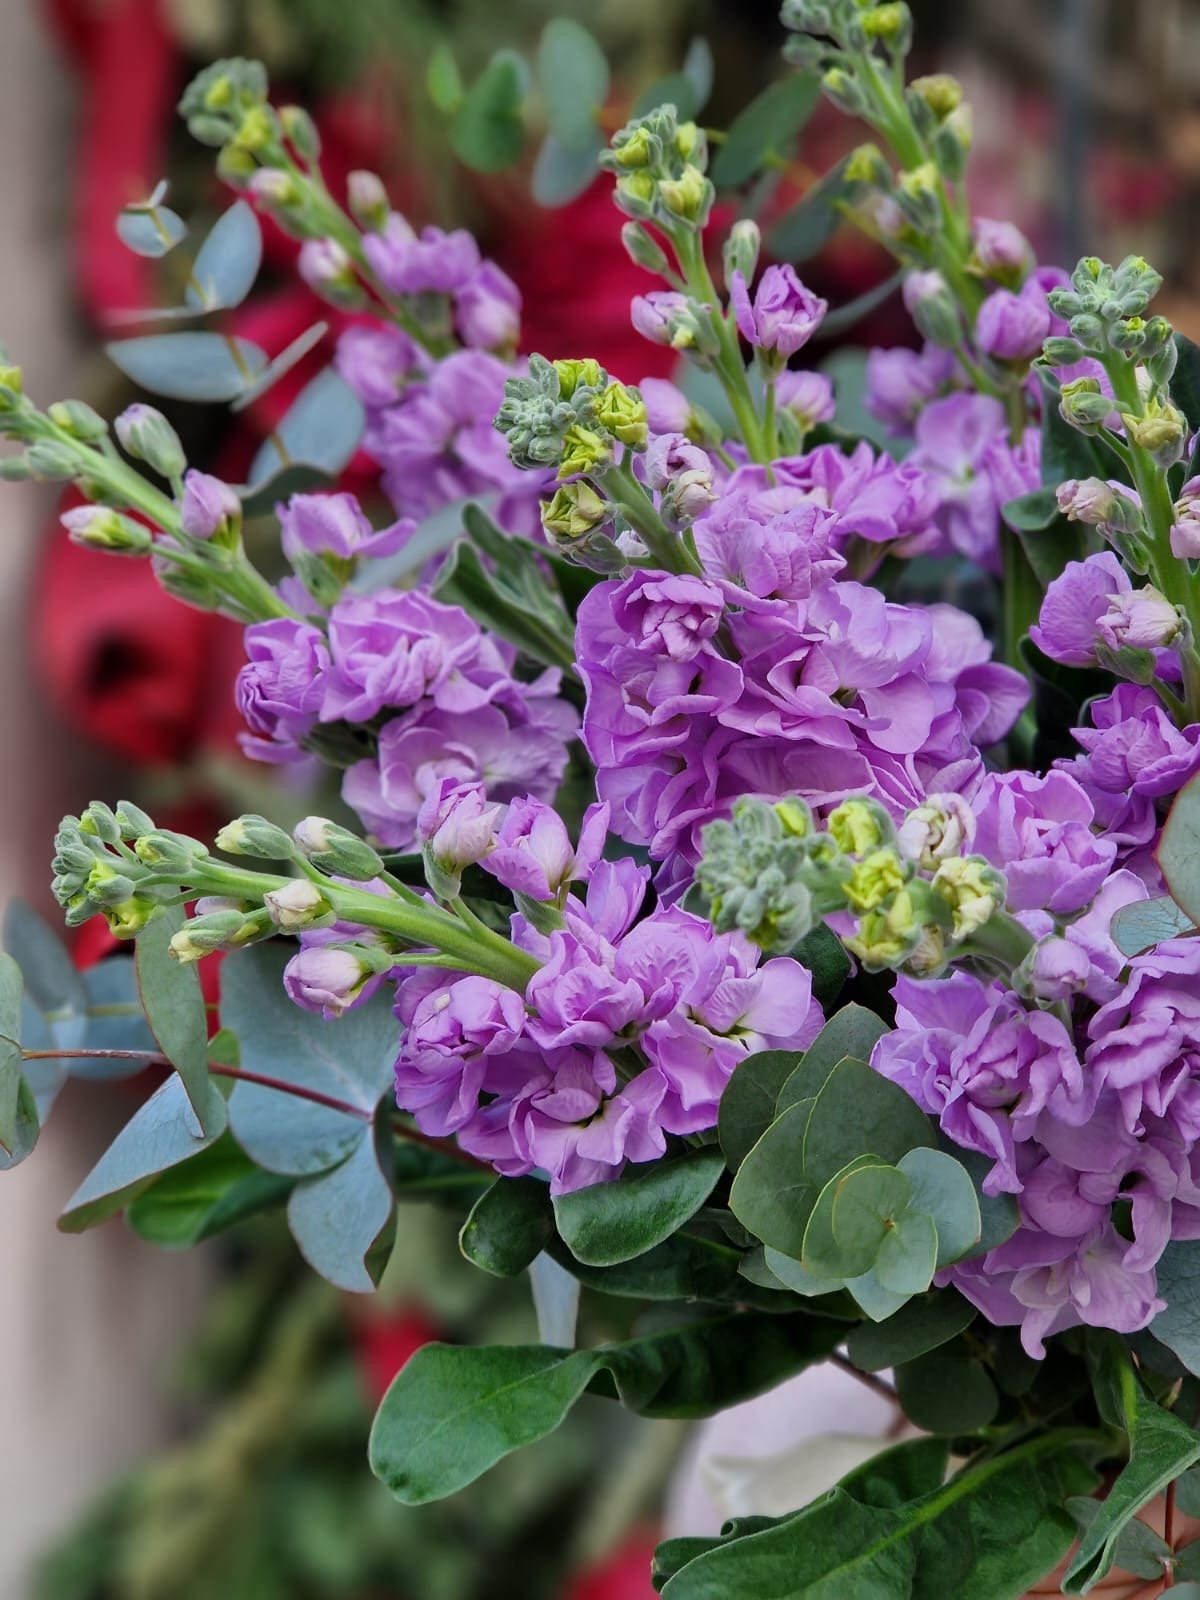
x,y
776,956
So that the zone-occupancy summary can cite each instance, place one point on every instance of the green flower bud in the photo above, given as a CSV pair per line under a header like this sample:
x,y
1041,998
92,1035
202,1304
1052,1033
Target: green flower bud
x,y
918,194
300,131
1162,430
100,822
643,249
215,103
889,23
858,826
939,91
126,921
573,511
253,835
146,435
844,90
973,890
12,384
1062,352
132,820
200,936
688,197
164,850
952,143
691,144
108,887
795,817
634,194
368,200
866,165
1084,406
336,850
583,450
623,412
742,248
51,460
886,939
297,906
98,528
636,148
875,879
78,419
578,373
928,956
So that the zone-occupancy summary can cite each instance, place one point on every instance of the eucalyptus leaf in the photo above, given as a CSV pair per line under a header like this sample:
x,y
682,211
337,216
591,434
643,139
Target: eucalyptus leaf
x,y
227,263
52,981
920,1326
857,1111
842,317
908,1254
159,1136
945,1392
748,1100
321,429
11,1059
152,231
561,175
1178,852
573,75
203,1196
851,1032
805,230
429,539
833,1257
341,1219
443,82
612,1222
189,366
285,481
174,1007
508,1227
116,1020
771,1194
281,364
770,123
487,133
1145,923
942,1187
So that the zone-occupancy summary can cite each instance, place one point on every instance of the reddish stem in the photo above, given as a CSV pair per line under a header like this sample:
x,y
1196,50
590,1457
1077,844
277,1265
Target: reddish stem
x,y
442,1146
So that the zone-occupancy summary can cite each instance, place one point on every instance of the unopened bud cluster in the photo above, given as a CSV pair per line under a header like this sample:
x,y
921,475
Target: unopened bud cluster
x,y
661,166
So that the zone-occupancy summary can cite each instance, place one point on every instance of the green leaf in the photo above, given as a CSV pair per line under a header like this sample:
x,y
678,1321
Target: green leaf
x,y
1178,1327
505,605
907,1258
824,954
487,132
1178,852
921,1326
992,1531
509,1226
349,1060
443,82
863,1197
1033,512
11,1059
853,1031
1161,1447
52,981
189,366
115,1020
845,316
572,73
804,230
320,431
203,1196
560,175
174,1007
770,123
290,356
748,1102
942,1187
1185,381
856,1112
1145,923
797,1278
613,1222
157,1137
453,1411
342,1219
771,1194
687,90
227,263
878,1302
688,1266
1139,1550
946,1392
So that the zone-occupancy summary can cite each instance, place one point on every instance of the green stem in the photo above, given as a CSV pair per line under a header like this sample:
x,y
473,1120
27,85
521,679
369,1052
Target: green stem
x,y
728,363
636,506
1001,939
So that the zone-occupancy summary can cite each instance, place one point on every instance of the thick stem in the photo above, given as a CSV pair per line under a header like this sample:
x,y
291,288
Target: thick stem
x,y
728,364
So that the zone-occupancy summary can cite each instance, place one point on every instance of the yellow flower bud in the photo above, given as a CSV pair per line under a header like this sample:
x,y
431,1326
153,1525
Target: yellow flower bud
x,y
885,938
583,451
572,373
623,412
687,196
639,150
866,165
874,880
573,510
855,827
219,94
687,138
973,890
940,92
129,918
795,817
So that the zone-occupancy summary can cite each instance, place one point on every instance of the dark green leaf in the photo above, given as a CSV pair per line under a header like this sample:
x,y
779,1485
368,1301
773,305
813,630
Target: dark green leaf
x,y
499,605
1187,1492
866,1193
851,1032
174,1007
804,230
189,366
349,1060
203,1196
572,73
907,1257
770,123
453,1412
158,1137
771,1194
1139,1550
1185,381
321,430
856,1112
508,1226
688,1266
487,132
443,82
1145,923
342,1219
227,263
1178,852
429,539
946,1392
824,954
748,1101
1032,512
921,1326
614,1222
560,175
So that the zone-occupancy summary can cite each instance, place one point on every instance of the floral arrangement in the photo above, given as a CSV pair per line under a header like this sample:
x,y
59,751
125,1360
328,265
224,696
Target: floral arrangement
x,y
769,950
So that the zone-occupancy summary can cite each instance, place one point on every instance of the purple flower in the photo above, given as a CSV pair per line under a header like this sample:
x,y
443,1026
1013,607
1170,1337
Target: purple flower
x,y
1134,745
408,264
1058,969
667,615
988,695
487,309
656,316
333,524
807,395
962,444
901,382
872,497
1068,624
1185,531
330,981
1139,619
769,546
1013,327
683,475
376,360
784,314
1145,1043
1001,249
324,263
1038,832
668,409
456,824
207,503
533,854
280,688
452,1029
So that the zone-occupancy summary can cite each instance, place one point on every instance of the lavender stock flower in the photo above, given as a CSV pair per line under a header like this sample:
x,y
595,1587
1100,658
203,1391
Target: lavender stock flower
x,y
783,315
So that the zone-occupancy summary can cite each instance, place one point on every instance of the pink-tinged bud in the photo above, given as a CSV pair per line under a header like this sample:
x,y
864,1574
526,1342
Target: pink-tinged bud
x,y
1139,619
1056,969
928,301
367,199
1185,532
147,436
103,529
807,395
328,271
1013,327
208,506
1001,250
325,979
297,906
943,826
456,824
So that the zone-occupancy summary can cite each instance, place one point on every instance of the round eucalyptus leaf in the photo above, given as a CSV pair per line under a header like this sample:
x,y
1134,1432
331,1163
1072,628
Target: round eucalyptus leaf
x,y
152,231
189,366
227,263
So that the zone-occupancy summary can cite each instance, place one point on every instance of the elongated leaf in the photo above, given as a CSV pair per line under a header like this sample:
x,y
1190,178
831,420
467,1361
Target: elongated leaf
x,y
158,1137
189,366
1145,923
613,1222
572,73
443,82
227,263
487,132
152,231
508,1226
174,1007
430,538
748,1101
920,1327
466,582
453,1411
11,1075
281,364
561,175
341,1219
1185,380
768,124
688,1266
845,316
203,1196
321,429
349,1061
804,230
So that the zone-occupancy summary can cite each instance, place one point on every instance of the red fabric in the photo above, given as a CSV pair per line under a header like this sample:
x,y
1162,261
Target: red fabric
x,y
385,1344
624,1575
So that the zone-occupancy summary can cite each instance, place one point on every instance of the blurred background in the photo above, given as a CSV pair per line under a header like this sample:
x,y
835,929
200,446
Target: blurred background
x,y
194,1424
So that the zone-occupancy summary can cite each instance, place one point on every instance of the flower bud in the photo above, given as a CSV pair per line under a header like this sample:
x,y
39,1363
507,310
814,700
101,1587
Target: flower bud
x,y
300,131
368,200
665,317
336,850
297,906
1139,619
874,879
1100,504
859,826
126,921
932,307
845,90
77,419
1055,969
52,461
132,821
885,939
866,165
573,511
1082,404
941,827
918,193
643,249
328,271
209,508
100,822
253,835
1161,430
201,935
1185,531
583,450
98,528
623,412
274,189
634,195
688,197
147,436
741,249
164,850
940,92
331,979
973,890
